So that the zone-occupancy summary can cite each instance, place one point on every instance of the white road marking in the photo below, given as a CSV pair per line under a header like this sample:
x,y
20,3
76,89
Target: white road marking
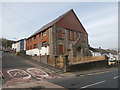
x,y
1,75
93,84
18,72
116,77
95,73
38,73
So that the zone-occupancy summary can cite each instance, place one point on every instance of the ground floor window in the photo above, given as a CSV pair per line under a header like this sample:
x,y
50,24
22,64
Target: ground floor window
x,y
61,49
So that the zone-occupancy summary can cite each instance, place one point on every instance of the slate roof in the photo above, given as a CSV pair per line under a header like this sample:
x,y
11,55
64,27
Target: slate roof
x,y
103,50
51,23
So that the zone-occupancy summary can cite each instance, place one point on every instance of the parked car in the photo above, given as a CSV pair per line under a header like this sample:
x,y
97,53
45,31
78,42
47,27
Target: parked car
x,y
6,51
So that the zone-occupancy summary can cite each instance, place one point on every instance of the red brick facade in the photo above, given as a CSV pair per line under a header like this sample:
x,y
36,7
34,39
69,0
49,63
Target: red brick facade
x,y
70,21
31,41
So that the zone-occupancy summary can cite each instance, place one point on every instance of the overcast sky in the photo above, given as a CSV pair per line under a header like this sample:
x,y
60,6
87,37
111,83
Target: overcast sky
x,y
100,19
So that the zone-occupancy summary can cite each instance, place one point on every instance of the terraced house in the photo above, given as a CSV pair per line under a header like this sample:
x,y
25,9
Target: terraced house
x,y
63,36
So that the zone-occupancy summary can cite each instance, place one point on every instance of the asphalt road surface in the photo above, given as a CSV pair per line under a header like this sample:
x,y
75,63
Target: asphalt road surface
x,y
18,70
9,60
100,80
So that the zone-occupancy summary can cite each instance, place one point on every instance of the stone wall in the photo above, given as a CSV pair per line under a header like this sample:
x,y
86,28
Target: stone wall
x,y
70,50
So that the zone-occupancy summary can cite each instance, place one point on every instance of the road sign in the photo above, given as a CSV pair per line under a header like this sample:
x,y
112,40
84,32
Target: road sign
x,y
39,45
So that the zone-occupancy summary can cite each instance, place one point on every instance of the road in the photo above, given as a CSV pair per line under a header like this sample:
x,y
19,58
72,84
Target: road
x,y
18,70
100,80
9,60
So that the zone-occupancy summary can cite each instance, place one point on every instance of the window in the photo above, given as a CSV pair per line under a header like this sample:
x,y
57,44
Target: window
x,y
30,39
60,34
30,47
35,45
83,39
77,36
68,35
44,33
61,49
44,44
35,37
73,36
39,35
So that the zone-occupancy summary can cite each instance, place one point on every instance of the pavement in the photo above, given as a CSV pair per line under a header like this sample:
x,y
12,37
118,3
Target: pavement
x,y
37,84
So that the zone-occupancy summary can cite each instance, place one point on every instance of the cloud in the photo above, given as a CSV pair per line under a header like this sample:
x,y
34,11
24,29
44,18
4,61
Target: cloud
x,y
99,19
102,28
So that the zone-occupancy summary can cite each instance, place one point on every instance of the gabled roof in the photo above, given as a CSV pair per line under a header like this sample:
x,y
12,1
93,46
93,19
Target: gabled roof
x,y
102,51
54,22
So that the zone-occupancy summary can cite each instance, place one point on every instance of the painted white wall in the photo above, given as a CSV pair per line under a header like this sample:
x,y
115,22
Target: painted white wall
x,y
25,44
13,45
95,53
43,51
16,46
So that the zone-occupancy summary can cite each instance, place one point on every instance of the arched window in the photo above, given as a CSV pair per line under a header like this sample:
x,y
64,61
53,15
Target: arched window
x,y
60,34
73,36
68,35
61,49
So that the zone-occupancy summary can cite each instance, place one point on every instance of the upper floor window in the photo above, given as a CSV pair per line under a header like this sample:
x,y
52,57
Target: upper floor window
x,y
35,37
39,35
35,45
30,47
44,44
83,38
60,34
77,35
73,36
68,35
30,39
44,33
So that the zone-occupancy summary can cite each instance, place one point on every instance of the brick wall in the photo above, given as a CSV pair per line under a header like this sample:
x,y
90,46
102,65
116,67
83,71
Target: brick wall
x,y
31,41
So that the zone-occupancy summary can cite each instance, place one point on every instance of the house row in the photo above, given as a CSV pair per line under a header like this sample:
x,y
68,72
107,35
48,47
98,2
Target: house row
x,y
19,46
111,54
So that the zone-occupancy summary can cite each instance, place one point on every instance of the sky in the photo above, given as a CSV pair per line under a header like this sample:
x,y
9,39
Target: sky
x,y
100,19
